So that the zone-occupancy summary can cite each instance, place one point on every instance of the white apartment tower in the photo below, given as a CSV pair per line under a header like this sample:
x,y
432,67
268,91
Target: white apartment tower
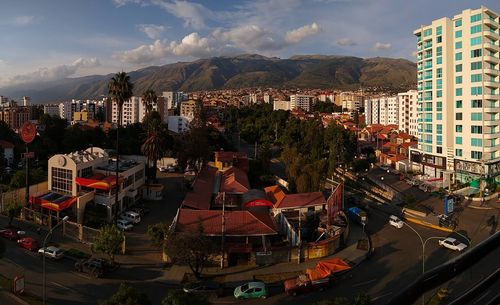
x,y
408,114
304,102
458,95
382,110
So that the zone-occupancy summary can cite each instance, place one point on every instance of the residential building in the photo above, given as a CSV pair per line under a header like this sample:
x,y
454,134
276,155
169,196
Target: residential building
x,y
173,98
408,112
351,101
267,98
15,117
304,102
82,116
7,151
178,124
190,108
26,101
458,95
50,109
281,105
382,110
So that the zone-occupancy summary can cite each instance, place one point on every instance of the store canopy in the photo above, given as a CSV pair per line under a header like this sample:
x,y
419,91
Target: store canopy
x,y
53,201
99,181
327,268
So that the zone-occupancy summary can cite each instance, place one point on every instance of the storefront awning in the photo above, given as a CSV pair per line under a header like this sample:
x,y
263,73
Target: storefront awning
x,y
99,181
53,201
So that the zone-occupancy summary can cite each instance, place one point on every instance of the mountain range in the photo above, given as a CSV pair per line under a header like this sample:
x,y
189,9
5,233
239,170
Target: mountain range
x,y
243,71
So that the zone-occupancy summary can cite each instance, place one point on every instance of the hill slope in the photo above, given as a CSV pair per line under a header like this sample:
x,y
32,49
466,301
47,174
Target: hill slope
x,y
305,71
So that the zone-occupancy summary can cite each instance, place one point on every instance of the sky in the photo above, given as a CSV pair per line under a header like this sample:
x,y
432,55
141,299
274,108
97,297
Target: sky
x,y
45,40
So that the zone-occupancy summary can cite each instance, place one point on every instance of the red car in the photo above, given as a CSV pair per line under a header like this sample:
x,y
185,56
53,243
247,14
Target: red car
x,y
9,234
28,243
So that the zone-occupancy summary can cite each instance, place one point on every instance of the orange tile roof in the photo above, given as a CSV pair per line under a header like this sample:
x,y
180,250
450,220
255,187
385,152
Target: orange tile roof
x,y
275,194
234,180
397,158
408,144
201,196
301,200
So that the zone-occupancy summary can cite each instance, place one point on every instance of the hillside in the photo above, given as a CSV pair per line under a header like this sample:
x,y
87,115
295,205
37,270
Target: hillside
x,y
304,71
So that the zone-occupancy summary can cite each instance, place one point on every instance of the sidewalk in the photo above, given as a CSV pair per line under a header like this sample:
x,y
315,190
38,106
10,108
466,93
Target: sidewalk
x,y
234,276
486,205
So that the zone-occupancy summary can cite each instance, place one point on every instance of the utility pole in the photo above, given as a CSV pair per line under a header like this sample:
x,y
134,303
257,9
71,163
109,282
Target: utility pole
x,y
255,151
300,241
27,160
275,132
223,229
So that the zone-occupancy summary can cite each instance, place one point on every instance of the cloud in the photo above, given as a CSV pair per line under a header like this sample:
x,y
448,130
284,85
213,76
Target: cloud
x,y
120,3
382,46
193,45
346,42
153,31
414,53
193,14
144,54
2,62
249,38
24,20
301,33
52,73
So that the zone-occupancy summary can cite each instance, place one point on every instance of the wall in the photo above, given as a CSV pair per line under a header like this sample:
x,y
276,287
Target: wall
x,y
19,194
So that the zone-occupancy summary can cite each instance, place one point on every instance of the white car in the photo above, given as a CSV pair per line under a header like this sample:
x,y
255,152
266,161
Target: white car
x,y
131,216
51,252
395,222
124,225
452,244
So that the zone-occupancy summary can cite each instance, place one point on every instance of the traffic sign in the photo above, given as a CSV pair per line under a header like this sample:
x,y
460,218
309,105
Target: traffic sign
x,y
28,132
19,284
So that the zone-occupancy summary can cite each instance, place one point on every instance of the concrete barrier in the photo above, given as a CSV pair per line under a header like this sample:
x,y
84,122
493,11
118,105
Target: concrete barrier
x,y
414,212
427,224
478,199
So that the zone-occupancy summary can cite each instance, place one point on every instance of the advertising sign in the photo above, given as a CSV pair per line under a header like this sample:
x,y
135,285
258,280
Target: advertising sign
x,y
335,202
448,205
28,132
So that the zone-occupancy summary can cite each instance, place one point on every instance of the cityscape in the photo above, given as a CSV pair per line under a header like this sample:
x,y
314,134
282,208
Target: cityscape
x,y
179,152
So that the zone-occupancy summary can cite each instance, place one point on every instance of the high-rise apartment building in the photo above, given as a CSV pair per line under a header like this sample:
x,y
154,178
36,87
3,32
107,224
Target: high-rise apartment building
x,y
304,102
15,117
382,110
458,95
408,112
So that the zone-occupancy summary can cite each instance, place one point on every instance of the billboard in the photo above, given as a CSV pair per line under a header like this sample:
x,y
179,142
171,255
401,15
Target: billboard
x,y
335,202
448,205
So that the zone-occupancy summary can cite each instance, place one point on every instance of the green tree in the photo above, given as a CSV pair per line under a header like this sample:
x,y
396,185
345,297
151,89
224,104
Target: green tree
x,y
190,248
13,209
127,295
18,180
179,297
149,99
120,89
109,241
157,233
155,146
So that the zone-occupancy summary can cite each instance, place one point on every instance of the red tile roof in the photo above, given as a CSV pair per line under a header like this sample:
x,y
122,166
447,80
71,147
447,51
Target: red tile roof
x,y
404,136
397,158
201,196
408,144
275,194
237,223
228,156
302,200
234,180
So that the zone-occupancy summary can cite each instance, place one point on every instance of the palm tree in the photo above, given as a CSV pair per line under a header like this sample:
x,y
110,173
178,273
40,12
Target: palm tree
x,y
120,89
155,145
149,99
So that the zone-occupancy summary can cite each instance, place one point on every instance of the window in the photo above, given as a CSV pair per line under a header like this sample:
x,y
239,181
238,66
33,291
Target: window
x,y
475,18
439,60
476,65
458,23
476,129
458,56
458,140
475,29
458,152
458,116
476,90
439,116
477,103
476,53
476,142
458,34
458,68
439,106
439,129
439,51
458,92
139,175
458,128
439,72
476,116
62,180
475,78
439,30
428,32
86,172
439,150
458,45
475,41
458,104
439,39
439,93
439,84
458,80
476,155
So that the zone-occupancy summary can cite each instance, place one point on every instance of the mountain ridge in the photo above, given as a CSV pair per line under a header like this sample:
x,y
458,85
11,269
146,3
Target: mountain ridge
x,y
241,71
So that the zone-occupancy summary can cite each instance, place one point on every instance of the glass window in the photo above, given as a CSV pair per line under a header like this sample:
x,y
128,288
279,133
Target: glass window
x,y
477,103
475,78
476,129
458,68
458,56
458,92
439,60
458,152
476,116
476,65
475,29
439,140
439,51
476,154
439,106
439,30
476,90
458,116
458,23
62,180
458,34
475,41
439,129
458,128
475,18
476,53
458,45
428,32
458,140
458,80
439,83
459,104
476,142
439,72
439,116
439,93
439,39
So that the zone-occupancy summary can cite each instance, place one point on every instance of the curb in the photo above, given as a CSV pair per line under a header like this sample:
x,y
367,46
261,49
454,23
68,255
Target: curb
x,y
429,225
481,208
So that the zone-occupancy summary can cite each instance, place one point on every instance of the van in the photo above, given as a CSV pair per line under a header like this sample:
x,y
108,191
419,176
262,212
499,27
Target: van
x,y
133,217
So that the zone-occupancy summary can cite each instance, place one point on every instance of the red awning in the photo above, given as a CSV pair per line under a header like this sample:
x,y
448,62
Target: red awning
x,y
53,201
259,203
99,181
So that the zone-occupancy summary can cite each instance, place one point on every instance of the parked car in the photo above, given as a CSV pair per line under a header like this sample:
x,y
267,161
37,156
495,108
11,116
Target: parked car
x,y
424,187
141,210
384,167
131,216
395,222
452,244
51,252
303,284
10,234
208,287
28,243
251,290
95,267
124,225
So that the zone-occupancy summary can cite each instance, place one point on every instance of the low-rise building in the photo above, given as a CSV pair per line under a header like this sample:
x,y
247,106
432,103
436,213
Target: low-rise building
x,y
7,149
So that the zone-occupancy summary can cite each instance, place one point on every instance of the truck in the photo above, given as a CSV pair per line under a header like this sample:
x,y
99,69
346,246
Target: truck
x,y
318,278
358,215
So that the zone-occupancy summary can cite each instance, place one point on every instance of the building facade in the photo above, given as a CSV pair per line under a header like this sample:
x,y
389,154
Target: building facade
x,y
382,110
304,102
458,95
408,112
15,117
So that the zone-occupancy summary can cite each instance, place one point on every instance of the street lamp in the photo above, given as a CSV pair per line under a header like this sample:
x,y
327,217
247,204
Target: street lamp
x,y
424,242
43,247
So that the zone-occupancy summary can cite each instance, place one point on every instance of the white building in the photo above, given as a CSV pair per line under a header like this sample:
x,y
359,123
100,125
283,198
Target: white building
x,y
26,101
304,102
267,98
281,105
178,124
408,112
52,110
382,110
459,95
173,98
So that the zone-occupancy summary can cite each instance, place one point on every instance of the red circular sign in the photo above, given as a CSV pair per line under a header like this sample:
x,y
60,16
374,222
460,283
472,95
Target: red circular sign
x,y
28,132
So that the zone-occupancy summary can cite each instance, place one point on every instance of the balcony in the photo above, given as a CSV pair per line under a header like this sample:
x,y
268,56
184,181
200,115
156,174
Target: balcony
x,y
491,71
491,59
491,22
491,136
491,34
491,47
491,96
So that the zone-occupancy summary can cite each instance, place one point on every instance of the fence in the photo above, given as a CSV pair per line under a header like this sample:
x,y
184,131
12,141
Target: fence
x,y
19,195
79,232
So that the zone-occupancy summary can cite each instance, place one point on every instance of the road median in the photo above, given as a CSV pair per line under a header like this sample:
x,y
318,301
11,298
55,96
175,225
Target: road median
x,y
428,225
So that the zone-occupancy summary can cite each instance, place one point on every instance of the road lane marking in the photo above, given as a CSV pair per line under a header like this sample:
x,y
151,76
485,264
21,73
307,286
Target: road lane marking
x,y
363,283
62,286
482,296
382,296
